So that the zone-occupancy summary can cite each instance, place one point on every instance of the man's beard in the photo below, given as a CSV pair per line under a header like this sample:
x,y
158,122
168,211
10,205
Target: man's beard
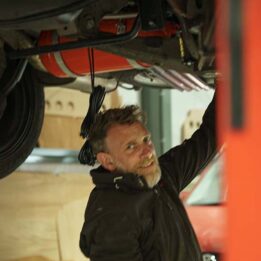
x,y
151,178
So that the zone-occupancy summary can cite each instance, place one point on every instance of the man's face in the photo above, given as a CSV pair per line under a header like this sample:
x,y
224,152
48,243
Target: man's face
x,y
131,150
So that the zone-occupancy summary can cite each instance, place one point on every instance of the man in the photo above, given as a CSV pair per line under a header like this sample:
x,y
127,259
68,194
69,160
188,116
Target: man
x,y
134,212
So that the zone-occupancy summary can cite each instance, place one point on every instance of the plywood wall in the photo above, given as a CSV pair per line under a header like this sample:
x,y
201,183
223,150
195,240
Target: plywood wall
x,y
61,132
41,216
191,123
64,113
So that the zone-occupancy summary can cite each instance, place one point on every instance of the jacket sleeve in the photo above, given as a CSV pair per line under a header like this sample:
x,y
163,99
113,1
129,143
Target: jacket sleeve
x,y
182,163
110,237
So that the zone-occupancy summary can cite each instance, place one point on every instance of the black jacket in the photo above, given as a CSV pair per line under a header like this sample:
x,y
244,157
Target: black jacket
x,y
127,221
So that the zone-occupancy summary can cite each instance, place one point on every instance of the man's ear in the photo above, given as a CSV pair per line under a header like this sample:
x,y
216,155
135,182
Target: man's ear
x,y
106,161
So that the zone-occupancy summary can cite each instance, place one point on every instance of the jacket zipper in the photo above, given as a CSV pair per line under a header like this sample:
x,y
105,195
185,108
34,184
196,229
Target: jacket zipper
x,y
164,199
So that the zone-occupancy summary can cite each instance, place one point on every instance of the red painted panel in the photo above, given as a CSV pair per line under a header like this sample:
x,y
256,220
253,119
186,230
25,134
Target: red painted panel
x,y
243,145
209,223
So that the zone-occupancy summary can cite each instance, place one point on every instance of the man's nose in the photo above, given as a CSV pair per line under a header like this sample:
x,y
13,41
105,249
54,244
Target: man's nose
x,y
147,150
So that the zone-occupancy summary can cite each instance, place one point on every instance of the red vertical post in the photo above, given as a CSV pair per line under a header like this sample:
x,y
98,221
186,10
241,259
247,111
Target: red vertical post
x,y
243,137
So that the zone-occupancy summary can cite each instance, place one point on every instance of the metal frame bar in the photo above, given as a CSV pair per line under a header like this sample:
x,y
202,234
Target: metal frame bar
x,y
18,54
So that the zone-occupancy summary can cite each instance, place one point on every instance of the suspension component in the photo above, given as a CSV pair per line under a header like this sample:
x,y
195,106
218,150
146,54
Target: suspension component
x,y
74,63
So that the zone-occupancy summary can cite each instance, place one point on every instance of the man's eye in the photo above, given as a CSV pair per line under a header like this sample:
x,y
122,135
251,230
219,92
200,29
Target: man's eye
x,y
147,139
130,146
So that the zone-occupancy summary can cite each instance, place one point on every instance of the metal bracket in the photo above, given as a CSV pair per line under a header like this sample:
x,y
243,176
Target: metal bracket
x,y
151,12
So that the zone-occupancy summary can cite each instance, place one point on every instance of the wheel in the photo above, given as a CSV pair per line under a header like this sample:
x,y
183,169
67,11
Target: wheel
x,y
20,121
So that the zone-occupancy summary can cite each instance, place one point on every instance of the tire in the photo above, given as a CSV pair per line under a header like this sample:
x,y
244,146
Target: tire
x,y
21,122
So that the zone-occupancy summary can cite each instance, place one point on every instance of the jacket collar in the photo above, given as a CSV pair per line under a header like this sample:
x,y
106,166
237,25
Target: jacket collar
x,y
103,178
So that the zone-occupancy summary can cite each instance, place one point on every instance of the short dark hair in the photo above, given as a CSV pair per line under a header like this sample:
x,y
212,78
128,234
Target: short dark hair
x,y
105,120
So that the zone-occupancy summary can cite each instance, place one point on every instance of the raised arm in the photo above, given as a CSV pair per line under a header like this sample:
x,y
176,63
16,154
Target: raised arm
x,y
182,163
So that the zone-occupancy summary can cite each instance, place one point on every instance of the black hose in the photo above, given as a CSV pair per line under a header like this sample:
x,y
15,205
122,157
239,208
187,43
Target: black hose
x,y
86,155
96,100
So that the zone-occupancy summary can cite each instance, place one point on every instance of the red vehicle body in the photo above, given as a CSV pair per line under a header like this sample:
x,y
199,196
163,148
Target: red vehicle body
x,y
209,224
206,208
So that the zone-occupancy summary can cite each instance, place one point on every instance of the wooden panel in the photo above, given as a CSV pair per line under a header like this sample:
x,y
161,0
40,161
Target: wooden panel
x,y
69,224
64,114
30,205
27,232
61,132
32,258
191,123
74,103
